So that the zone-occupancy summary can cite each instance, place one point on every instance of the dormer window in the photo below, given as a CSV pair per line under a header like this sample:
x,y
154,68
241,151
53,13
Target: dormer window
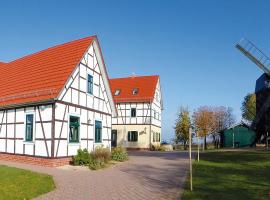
x,y
135,91
117,92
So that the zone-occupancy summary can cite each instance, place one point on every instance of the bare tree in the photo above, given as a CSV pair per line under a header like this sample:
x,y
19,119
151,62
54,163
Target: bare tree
x,y
222,118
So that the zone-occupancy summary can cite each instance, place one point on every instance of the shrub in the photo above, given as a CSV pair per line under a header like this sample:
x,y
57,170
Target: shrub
x,y
82,157
95,164
99,158
119,154
157,148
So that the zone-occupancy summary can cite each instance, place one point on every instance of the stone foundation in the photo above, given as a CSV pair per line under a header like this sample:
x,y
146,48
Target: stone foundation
x,y
34,160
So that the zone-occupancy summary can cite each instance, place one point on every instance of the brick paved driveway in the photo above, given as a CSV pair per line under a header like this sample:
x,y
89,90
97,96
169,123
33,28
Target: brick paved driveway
x,y
147,175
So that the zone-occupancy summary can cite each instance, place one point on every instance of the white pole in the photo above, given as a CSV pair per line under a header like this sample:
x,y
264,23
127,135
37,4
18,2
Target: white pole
x,y
190,161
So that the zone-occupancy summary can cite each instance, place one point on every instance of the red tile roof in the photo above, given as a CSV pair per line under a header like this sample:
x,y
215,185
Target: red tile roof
x,y
40,76
146,86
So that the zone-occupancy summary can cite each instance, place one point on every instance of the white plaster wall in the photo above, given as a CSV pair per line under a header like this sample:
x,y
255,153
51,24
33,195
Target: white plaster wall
x,y
12,131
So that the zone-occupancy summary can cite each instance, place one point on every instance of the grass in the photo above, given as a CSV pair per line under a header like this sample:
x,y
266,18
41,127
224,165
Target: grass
x,y
22,184
230,175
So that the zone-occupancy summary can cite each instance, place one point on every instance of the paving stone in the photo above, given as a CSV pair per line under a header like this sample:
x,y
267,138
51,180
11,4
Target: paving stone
x,y
146,176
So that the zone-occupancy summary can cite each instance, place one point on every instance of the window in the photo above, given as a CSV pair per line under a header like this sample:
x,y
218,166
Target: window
x,y
98,131
117,92
89,84
133,112
135,91
133,136
29,127
74,129
156,137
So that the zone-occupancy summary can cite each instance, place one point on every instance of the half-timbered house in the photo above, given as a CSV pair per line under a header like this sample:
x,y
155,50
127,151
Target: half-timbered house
x,y
54,102
139,105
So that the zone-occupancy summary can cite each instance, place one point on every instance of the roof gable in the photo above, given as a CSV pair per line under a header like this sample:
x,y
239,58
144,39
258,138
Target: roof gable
x,y
146,86
40,76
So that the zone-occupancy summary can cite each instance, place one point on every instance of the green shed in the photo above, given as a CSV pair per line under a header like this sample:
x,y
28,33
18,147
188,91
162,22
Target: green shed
x,y
241,135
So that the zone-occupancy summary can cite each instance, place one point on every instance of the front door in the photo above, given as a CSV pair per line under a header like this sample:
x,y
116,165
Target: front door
x,y
114,138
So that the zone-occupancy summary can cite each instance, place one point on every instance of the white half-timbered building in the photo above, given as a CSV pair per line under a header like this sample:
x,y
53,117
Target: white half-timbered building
x,y
139,105
54,102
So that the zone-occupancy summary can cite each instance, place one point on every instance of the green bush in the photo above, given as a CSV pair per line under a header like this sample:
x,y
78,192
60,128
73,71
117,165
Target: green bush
x,y
119,154
99,158
82,157
95,164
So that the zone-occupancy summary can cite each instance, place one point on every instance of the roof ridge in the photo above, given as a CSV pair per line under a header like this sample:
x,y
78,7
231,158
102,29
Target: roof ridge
x,y
52,47
132,77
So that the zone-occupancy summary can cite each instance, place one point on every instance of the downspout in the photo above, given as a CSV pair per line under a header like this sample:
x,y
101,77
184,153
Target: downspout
x,y
150,129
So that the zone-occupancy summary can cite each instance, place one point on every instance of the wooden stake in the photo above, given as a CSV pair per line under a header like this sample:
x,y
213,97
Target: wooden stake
x,y
198,153
267,140
190,161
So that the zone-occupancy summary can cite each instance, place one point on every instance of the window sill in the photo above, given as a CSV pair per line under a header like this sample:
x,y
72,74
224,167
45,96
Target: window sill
x,y
74,143
29,142
88,94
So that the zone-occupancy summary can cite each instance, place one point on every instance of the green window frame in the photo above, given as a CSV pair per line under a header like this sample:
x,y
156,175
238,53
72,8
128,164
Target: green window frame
x,y
133,136
89,84
29,127
98,131
74,129
133,112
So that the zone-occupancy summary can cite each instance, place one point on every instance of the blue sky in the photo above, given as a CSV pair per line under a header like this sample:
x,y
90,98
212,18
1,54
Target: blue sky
x,y
190,44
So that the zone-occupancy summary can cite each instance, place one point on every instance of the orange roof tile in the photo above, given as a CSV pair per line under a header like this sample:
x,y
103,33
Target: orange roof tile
x,y
146,86
40,76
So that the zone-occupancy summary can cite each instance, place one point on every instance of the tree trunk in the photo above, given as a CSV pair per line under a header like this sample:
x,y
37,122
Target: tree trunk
x,y
205,145
214,141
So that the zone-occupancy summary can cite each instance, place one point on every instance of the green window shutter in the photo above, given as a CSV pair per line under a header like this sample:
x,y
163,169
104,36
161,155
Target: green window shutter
x,y
129,136
136,136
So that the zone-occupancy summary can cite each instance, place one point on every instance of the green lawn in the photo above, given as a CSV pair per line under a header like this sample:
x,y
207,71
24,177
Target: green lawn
x,y
231,175
22,184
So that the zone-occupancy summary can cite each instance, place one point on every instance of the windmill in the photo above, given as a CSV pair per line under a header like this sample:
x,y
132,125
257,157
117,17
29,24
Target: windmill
x,y
262,120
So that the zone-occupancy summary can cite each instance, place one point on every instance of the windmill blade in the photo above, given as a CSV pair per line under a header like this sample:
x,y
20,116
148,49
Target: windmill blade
x,y
254,54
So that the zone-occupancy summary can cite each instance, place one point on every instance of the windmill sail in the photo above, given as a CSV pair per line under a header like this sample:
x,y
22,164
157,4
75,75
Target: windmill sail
x,y
254,54
262,119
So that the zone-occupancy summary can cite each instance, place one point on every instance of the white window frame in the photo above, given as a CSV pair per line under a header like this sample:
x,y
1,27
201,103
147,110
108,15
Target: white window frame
x,y
74,115
117,92
34,127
